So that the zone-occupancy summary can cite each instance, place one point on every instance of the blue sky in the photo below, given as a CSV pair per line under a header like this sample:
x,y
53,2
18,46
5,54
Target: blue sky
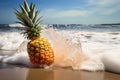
x,y
66,11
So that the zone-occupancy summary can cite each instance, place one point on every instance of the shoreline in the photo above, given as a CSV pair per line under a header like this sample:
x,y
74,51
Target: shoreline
x,y
12,72
15,72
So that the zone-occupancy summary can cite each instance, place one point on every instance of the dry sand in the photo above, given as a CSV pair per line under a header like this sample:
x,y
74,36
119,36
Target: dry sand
x,y
13,72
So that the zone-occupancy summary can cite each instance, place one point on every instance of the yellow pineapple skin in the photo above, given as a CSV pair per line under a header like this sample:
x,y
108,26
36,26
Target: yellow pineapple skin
x,y
40,51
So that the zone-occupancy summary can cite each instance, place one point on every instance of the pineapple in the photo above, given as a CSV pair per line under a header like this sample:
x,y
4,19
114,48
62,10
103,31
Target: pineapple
x,y
39,49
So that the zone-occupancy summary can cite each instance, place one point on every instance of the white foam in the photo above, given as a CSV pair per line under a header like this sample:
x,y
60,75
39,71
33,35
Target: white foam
x,y
15,25
96,47
111,60
10,40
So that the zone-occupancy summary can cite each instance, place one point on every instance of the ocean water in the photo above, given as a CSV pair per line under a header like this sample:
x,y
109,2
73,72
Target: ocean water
x,y
97,42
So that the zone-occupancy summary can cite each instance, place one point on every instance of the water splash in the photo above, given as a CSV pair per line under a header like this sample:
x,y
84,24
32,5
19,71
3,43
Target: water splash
x,y
66,53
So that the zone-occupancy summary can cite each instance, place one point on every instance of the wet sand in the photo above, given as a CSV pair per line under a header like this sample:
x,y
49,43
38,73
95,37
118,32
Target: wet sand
x,y
19,72
13,72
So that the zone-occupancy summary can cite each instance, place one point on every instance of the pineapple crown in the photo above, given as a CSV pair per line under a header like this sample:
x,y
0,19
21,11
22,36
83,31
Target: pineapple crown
x,y
28,17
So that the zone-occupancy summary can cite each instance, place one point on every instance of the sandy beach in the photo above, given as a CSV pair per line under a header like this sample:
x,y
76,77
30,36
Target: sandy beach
x,y
17,72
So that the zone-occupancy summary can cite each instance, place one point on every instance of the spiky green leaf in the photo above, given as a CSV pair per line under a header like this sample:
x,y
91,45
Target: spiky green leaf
x,y
26,6
36,15
24,11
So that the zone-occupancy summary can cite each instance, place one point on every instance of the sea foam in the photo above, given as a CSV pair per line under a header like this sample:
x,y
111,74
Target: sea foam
x,y
82,50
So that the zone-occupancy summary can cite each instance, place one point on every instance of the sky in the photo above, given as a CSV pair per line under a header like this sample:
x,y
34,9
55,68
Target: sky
x,y
66,11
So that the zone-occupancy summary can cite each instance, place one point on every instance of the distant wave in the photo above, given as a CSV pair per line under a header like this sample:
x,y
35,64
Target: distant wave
x,y
81,27
96,28
4,25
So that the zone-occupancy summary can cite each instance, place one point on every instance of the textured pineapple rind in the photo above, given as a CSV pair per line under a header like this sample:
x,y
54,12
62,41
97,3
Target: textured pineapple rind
x,y
40,52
